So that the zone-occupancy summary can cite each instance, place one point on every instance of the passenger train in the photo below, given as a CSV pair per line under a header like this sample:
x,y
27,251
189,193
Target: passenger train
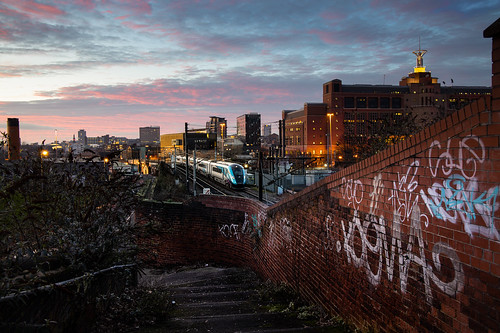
x,y
230,174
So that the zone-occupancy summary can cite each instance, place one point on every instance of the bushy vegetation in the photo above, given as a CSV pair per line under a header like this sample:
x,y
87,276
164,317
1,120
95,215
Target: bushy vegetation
x,y
131,309
167,188
61,219
282,298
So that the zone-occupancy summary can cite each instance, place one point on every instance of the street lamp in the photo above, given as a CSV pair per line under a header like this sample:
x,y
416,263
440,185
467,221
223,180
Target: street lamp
x,y
329,137
222,135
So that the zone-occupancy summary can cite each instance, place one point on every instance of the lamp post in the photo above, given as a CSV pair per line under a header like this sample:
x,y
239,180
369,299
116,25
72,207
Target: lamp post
x,y
222,135
329,137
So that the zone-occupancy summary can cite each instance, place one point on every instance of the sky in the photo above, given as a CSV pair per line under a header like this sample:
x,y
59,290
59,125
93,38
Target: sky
x,y
112,66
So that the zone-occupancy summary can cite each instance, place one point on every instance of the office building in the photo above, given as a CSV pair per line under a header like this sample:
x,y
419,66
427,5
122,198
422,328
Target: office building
x,y
149,136
248,129
82,137
217,125
266,129
351,114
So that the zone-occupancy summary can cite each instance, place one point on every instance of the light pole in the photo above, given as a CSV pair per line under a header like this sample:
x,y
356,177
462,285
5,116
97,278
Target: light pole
x,y
329,137
222,135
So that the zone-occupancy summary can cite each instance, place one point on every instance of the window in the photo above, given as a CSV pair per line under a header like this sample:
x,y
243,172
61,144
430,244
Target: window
x,y
372,102
396,102
361,102
349,102
327,88
336,87
384,102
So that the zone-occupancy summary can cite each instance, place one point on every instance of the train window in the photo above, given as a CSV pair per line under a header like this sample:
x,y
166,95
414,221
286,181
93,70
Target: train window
x,y
237,170
217,169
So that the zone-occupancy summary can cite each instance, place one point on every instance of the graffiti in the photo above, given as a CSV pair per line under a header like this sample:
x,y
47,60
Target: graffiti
x,y
458,200
394,252
466,162
402,197
350,192
230,231
255,223
283,228
375,194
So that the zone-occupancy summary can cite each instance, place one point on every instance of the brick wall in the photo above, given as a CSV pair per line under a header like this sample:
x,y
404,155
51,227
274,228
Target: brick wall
x,y
407,240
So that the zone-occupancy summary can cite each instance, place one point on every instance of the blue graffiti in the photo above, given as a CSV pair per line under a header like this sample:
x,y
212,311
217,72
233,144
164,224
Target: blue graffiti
x,y
462,200
255,223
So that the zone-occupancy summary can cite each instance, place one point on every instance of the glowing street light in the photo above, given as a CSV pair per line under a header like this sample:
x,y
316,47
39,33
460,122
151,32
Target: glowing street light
x,y
329,137
222,135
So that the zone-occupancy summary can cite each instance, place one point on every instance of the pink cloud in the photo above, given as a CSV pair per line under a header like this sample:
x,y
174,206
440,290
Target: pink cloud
x,y
35,9
87,4
8,75
238,90
326,36
123,17
136,7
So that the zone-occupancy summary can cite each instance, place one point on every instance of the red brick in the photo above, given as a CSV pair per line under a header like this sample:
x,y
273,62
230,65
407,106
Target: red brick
x,y
480,264
495,107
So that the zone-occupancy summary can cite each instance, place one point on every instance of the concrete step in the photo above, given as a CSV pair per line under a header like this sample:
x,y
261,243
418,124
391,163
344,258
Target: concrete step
x,y
244,322
215,299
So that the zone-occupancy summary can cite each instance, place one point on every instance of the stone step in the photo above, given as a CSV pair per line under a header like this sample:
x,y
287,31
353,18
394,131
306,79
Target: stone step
x,y
214,299
212,309
243,322
214,296
210,287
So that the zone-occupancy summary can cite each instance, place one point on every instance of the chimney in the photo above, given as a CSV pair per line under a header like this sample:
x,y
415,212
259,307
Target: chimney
x,y
14,142
493,31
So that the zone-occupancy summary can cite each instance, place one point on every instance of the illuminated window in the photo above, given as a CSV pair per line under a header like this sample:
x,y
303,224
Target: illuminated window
x,y
361,102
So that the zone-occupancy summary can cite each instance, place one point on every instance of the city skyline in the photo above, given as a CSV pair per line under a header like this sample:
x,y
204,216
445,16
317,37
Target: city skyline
x,y
110,67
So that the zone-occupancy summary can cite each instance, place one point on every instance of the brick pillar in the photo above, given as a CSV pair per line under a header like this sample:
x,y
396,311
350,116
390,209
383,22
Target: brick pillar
x,y
493,31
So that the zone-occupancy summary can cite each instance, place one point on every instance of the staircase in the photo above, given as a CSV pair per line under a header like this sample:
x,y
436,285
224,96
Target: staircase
x,y
215,299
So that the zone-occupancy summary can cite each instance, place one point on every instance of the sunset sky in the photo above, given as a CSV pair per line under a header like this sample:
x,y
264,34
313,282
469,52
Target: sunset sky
x,y
112,66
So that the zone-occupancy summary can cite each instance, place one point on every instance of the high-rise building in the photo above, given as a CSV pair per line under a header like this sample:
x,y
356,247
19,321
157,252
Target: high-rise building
x,y
82,137
149,136
248,128
351,114
266,130
217,125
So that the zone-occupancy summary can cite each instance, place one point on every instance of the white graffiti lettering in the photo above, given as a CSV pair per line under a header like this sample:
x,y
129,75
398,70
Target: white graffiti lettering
x,y
350,192
414,252
230,231
472,156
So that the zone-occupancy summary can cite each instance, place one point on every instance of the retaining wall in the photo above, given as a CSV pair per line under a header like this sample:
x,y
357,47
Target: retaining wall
x,y
405,240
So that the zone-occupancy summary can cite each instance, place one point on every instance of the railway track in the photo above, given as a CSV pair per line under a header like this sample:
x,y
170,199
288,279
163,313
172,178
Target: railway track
x,y
216,188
